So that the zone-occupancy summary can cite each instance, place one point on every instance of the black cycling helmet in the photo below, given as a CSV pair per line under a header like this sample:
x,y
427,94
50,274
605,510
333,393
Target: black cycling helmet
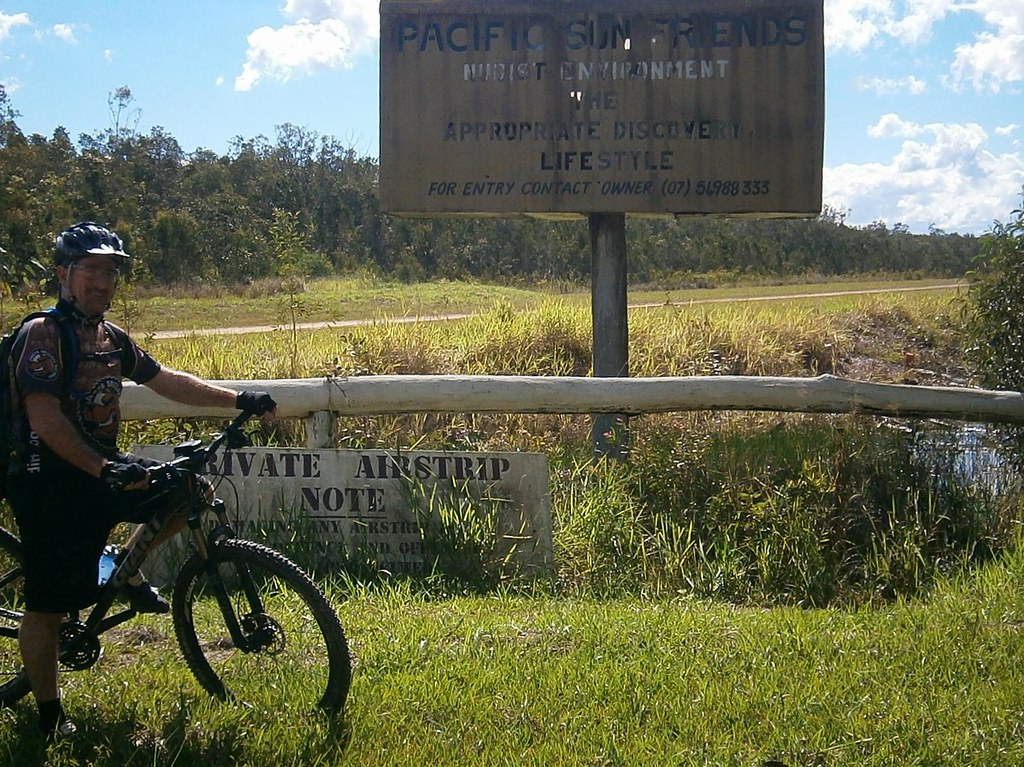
x,y
88,239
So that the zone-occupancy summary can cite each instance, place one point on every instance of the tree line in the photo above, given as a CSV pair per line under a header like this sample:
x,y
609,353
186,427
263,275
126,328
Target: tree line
x,y
200,215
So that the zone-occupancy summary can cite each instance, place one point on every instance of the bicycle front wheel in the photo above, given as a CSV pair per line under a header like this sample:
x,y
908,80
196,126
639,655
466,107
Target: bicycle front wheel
x,y
13,681
255,629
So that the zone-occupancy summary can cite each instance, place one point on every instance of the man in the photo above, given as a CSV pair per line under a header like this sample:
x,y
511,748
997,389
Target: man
x,y
69,485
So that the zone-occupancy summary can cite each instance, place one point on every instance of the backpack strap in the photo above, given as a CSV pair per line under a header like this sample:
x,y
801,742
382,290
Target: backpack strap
x,y
124,345
69,345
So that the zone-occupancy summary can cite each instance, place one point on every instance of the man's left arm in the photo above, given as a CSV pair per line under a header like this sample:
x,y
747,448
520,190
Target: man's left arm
x,y
190,390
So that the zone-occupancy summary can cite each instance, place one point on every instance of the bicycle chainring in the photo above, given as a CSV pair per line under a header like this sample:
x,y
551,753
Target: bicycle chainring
x,y
78,649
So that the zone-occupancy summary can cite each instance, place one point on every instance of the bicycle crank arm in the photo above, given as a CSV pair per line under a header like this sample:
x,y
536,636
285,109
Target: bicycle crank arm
x,y
116,620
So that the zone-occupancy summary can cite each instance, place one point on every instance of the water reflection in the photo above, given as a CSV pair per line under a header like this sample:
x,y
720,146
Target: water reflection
x,y
973,454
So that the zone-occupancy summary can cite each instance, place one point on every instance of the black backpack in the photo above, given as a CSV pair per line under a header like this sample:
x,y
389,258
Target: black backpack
x,y
69,354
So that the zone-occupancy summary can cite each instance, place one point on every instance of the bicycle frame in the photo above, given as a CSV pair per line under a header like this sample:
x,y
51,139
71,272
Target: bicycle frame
x,y
98,621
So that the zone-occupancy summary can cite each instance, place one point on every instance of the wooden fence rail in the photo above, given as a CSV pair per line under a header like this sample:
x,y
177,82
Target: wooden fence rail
x,y
377,395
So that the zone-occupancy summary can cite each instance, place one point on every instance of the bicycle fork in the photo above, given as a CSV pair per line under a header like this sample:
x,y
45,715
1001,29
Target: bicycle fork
x,y
245,638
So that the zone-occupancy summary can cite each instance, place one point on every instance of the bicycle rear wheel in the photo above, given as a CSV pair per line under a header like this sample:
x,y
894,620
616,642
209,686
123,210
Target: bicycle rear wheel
x,y
293,655
13,682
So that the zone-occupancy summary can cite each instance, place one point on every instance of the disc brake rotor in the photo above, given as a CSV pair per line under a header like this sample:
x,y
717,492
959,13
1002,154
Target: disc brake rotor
x,y
263,634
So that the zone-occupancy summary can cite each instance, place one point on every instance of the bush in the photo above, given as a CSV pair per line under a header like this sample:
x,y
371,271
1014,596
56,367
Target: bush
x,y
809,511
996,324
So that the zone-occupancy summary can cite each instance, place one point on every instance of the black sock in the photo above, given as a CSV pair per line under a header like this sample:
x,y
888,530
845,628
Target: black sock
x,y
51,714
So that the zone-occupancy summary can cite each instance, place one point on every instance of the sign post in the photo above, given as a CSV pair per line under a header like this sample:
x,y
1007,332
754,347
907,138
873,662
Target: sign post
x,y
610,332
598,109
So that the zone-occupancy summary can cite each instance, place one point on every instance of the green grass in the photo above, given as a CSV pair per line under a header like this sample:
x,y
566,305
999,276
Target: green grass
x,y
538,681
322,301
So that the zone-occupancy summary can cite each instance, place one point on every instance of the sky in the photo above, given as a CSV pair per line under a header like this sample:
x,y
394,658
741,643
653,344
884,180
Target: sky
x,y
924,99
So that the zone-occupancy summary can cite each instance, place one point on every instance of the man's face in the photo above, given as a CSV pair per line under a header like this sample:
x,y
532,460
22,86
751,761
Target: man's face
x,y
91,281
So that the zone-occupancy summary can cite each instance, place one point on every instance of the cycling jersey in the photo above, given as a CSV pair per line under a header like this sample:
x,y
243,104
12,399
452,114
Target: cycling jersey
x,y
92,403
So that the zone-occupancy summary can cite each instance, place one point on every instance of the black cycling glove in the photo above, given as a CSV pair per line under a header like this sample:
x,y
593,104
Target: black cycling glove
x,y
255,402
118,476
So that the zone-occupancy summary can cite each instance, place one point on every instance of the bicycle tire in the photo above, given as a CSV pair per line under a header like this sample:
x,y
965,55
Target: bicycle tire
x,y
305,664
13,681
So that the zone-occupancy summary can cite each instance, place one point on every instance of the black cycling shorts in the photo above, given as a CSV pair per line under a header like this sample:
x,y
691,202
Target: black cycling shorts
x,y
64,518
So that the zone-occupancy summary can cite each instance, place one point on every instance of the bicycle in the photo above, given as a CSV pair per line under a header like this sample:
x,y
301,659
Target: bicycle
x,y
251,625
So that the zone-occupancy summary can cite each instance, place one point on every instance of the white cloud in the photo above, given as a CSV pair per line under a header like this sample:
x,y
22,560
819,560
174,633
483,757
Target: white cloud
x,y
992,59
854,24
888,86
893,125
1006,130
942,175
995,57
323,34
65,32
361,15
10,84
988,62
9,21
921,15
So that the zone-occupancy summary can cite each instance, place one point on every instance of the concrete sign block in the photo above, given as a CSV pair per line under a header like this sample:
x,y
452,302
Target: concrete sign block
x,y
389,510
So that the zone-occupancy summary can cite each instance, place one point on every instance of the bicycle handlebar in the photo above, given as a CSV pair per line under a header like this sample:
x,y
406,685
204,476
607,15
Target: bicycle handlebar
x,y
198,454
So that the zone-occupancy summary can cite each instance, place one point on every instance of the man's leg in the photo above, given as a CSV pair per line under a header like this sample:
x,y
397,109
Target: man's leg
x,y
180,504
175,524
39,638
39,641
142,596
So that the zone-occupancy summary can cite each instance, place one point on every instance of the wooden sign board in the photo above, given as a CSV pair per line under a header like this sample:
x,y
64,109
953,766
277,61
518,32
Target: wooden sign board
x,y
573,107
